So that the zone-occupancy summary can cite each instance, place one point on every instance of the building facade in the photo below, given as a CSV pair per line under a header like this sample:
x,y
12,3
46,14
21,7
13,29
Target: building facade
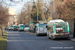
x,y
12,17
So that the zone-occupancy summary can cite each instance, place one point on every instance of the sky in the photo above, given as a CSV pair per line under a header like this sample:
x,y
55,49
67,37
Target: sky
x,y
18,6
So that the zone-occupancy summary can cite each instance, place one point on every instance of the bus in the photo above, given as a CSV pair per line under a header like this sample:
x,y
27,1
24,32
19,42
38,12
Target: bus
x,y
10,27
40,29
21,27
15,27
33,25
57,29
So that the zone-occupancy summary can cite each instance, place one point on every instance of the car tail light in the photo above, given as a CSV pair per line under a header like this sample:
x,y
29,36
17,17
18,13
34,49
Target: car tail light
x,y
66,34
57,35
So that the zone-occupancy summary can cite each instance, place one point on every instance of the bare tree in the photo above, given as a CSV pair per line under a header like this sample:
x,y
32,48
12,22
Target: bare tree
x,y
24,16
66,11
4,16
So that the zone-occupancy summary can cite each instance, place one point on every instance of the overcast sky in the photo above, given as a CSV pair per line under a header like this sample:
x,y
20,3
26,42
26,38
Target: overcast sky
x,y
18,6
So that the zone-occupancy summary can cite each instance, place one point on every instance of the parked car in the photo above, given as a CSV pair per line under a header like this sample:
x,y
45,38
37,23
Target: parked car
x,y
26,28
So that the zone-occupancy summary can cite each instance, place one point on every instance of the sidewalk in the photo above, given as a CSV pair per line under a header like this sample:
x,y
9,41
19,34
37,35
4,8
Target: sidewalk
x,y
71,37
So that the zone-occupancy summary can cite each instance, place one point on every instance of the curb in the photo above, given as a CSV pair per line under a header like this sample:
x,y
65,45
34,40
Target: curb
x,y
31,33
5,46
6,43
73,39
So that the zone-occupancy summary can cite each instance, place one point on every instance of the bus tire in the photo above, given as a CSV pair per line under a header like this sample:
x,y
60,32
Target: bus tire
x,y
24,31
13,30
18,30
52,38
48,36
37,34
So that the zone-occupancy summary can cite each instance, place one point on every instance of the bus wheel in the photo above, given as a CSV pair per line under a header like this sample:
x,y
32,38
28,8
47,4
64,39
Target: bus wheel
x,y
48,36
19,30
24,31
53,38
36,34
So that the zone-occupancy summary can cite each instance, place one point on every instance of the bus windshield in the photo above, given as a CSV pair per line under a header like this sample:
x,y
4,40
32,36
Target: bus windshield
x,y
15,26
42,25
63,28
22,26
26,26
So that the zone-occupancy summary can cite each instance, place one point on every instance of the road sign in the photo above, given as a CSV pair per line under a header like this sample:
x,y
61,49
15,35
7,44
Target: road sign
x,y
50,18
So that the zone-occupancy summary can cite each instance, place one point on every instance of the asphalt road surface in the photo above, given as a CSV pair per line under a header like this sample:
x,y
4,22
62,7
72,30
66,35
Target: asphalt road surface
x,y
28,41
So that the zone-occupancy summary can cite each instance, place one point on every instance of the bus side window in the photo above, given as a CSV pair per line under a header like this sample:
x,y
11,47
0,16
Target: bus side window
x,y
50,28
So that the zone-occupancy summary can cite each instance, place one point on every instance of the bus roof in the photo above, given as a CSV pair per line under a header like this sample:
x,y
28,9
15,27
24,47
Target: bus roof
x,y
40,22
55,21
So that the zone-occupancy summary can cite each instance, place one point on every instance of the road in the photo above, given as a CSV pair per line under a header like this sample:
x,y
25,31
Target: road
x,y
28,41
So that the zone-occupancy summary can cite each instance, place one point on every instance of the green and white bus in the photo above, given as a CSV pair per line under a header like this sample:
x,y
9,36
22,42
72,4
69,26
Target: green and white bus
x,y
57,29
40,29
21,27
10,27
15,27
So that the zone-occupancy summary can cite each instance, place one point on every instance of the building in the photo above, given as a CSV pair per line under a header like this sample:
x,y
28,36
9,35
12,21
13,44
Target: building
x,y
12,17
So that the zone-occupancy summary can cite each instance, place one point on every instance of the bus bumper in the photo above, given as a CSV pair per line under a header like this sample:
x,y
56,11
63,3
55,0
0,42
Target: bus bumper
x,y
61,36
42,33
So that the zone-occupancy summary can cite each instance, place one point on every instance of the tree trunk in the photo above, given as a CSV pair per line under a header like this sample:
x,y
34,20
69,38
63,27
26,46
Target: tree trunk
x,y
59,15
0,32
74,29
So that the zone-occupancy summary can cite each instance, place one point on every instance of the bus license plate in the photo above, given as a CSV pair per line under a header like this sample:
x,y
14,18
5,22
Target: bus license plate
x,y
61,35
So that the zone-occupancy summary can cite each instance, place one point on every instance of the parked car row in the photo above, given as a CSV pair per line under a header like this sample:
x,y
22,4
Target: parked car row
x,y
20,27
53,28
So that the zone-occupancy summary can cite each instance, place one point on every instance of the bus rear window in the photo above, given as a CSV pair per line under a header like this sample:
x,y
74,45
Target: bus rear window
x,y
42,25
22,26
63,28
